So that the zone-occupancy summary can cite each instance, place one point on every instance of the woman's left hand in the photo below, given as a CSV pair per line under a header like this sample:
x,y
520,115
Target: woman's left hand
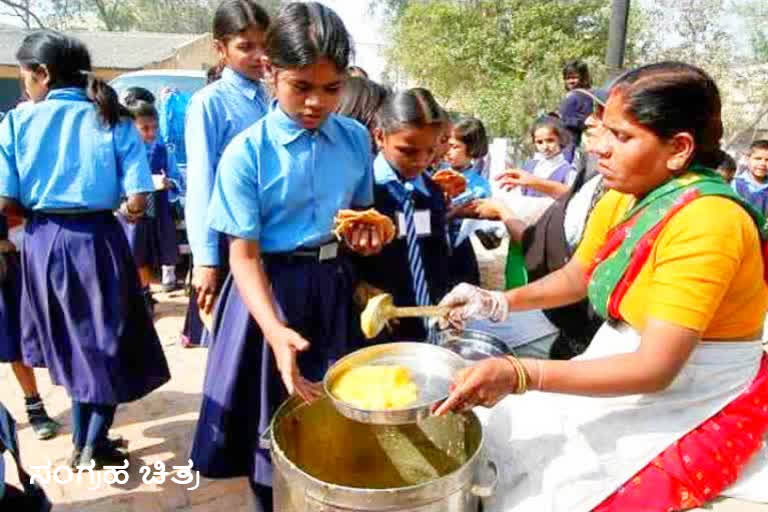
x,y
364,239
484,383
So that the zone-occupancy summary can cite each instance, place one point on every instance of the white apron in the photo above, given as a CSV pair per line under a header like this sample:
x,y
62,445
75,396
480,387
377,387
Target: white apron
x,y
566,453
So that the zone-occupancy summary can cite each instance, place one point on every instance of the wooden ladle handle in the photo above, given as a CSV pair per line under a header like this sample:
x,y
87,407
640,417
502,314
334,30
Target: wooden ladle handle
x,y
422,311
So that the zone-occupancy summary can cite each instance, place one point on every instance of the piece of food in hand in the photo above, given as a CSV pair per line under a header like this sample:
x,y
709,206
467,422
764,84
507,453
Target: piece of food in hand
x,y
453,183
347,220
376,387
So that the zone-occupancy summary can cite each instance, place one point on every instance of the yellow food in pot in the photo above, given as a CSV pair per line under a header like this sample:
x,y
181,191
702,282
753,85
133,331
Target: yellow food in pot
x,y
376,388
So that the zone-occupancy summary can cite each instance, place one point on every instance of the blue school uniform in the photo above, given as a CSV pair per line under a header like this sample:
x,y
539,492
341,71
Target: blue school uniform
x,y
82,313
153,238
574,110
280,185
563,172
10,298
476,182
215,114
463,261
754,192
389,270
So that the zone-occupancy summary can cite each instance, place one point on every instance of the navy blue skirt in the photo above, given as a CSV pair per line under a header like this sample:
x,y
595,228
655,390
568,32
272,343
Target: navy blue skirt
x,y
83,315
153,239
242,387
194,330
10,300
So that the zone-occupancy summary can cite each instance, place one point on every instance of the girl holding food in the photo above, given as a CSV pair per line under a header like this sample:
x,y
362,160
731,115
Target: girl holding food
x,y
283,315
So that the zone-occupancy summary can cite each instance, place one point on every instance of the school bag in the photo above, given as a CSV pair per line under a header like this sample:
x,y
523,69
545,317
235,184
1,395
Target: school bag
x,y
33,499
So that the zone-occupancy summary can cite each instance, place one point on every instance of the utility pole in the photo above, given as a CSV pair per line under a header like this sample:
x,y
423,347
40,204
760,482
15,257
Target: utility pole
x,y
617,36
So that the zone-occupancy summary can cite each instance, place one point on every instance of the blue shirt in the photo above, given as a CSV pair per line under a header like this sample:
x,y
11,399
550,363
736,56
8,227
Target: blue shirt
x,y
282,185
58,154
215,115
479,186
385,174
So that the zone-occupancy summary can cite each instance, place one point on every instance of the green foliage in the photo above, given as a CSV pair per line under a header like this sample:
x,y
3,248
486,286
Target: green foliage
x,y
500,60
180,16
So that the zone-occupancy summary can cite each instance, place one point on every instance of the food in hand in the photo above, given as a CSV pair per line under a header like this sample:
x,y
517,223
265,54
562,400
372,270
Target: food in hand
x,y
347,221
453,183
376,387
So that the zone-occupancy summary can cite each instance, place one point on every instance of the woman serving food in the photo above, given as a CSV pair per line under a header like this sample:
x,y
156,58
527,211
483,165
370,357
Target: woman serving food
x,y
668,406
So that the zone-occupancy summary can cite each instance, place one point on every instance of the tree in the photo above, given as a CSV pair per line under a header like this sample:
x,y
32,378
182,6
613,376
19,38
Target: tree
x,y
181,16
498,59
24,10
693,31
754,14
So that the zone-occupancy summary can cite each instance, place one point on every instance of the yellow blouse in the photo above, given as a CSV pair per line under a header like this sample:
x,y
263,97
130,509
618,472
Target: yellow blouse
x,y
705,271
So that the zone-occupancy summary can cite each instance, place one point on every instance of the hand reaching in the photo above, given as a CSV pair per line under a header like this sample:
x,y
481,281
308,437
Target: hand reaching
x,y
469,301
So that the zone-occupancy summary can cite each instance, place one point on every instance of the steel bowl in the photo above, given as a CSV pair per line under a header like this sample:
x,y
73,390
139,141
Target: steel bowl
x,y
432,369
473,345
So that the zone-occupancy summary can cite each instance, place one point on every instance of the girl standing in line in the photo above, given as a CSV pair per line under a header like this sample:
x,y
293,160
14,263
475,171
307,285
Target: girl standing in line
x,y
215,115
66,161
283,316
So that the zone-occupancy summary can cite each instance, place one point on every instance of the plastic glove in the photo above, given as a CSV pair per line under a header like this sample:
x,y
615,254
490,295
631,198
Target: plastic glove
x,y
469,301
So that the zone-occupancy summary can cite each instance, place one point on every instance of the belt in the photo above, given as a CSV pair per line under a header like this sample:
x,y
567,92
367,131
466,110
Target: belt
x,y
71,213
327,252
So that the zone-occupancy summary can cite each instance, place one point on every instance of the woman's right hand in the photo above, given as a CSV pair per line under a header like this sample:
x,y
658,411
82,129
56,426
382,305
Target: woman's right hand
x,y
286,344
467,301
206,282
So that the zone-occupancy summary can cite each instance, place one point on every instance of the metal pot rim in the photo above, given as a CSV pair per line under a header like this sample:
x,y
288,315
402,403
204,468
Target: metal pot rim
x,y
276,448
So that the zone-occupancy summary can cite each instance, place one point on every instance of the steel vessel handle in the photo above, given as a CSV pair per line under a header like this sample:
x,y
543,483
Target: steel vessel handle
x,y
487,490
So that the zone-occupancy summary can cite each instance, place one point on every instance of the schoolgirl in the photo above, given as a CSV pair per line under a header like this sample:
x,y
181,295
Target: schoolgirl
x,y
283,315
153,237
545,177
66,161
415,267
215,115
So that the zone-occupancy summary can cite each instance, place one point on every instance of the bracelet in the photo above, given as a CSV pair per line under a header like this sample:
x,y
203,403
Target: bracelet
x,y
522,376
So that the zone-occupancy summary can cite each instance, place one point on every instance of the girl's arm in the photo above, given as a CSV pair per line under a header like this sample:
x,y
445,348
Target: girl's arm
x,y
520,178
254,287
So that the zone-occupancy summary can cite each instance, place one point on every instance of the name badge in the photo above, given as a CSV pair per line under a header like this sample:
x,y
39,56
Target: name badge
x,y
329,251
421,218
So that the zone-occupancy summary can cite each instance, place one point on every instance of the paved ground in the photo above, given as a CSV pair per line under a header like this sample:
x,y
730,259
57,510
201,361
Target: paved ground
x,y
159,428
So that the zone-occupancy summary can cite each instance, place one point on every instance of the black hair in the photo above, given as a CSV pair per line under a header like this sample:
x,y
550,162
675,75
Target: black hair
x,y
413,107
213,73
69,65
134,94
758,144
303,33
361,100
357,71
555,124
235,16
578,67
673,97
142,109
471,132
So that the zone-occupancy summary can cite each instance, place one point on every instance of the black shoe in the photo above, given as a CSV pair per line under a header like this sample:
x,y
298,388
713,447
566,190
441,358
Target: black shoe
x,y
42,424
149,303
97,458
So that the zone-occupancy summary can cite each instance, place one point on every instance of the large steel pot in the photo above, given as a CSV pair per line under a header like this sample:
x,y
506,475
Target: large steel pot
x,y
325,462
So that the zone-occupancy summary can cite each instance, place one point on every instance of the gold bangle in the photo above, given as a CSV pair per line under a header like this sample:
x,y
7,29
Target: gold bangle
x,y
522,376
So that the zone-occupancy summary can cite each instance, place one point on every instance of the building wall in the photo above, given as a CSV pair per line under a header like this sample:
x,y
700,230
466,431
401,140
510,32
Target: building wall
x,y
199,54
